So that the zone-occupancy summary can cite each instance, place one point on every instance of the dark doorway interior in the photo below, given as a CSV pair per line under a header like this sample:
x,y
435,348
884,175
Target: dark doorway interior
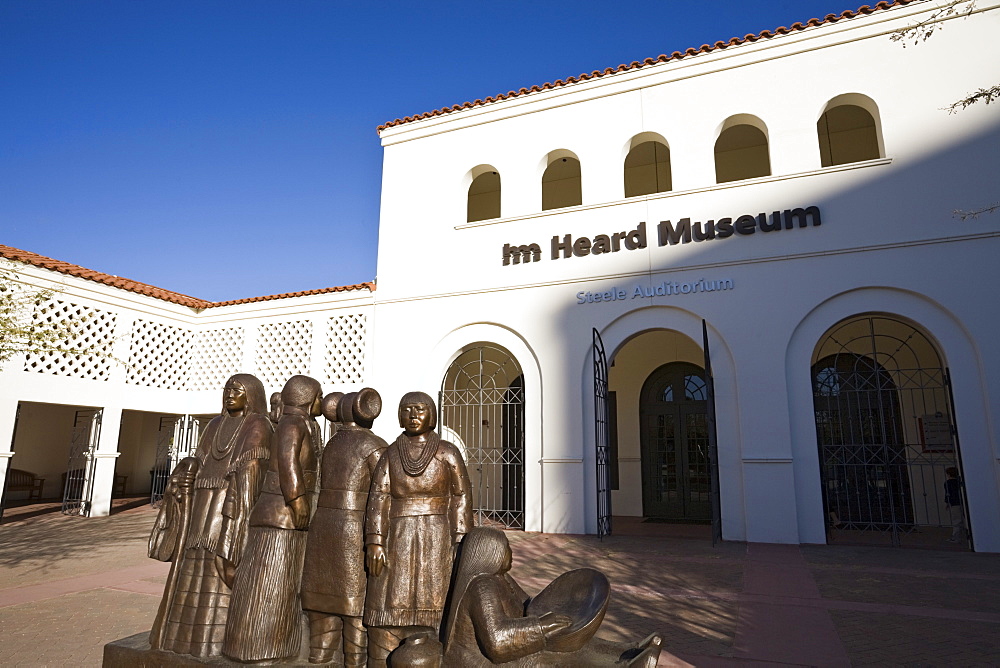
x,y
887,437
676,483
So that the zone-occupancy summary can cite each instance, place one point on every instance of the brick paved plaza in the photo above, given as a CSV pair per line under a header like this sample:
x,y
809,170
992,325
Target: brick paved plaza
x,y
69,585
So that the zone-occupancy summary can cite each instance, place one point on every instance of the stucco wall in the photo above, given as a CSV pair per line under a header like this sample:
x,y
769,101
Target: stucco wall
x,y
887,231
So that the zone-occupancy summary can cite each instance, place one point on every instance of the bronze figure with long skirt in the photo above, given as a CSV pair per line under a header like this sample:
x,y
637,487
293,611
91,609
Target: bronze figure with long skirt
x,y
202,522
264,618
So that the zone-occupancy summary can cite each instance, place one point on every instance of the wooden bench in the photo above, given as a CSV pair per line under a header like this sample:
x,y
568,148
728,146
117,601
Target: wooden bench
x,y
25,481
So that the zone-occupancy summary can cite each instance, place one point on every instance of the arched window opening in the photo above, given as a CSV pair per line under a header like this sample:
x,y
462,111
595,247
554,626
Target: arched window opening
x,y
484,197
647,169
847,133
884,432
482,412
561,184
741,153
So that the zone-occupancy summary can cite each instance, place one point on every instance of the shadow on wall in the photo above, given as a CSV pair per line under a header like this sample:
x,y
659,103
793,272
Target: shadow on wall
x,y
898,202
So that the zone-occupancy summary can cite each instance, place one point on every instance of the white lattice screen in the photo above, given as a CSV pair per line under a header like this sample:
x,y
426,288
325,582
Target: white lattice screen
x,y
96,331
216,355
177,358
345,348
283,350
159,355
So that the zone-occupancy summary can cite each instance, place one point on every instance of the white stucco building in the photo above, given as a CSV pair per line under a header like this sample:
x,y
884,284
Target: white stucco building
x,y
793,191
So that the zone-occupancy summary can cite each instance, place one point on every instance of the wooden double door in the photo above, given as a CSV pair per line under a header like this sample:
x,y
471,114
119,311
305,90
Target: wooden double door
x,y
676,473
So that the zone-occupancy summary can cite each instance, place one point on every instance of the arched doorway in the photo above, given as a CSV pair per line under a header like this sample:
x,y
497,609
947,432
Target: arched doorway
x,y
885,433
482,409
676,477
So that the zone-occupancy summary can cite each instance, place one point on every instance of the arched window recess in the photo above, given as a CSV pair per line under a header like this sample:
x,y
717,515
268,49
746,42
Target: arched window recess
x,y
741,150
647,166
561,182
484,194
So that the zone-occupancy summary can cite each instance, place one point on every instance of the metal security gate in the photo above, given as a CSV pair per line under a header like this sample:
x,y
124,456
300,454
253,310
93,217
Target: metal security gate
x,y
602,436
482,412
713,442
78,489
885,433
187,431
165,457
176,439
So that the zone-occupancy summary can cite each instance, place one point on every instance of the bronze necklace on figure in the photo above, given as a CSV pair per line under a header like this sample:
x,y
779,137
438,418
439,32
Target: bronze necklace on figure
x,y
227,446
414,466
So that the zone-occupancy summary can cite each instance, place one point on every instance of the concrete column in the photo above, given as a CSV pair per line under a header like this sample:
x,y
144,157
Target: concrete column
x,y
104,465
565,464
769,497
8,417
5,456
768,476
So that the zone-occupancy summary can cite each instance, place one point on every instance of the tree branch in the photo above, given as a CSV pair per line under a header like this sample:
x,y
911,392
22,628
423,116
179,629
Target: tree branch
x,y
922,31
25,329
984,95
975,213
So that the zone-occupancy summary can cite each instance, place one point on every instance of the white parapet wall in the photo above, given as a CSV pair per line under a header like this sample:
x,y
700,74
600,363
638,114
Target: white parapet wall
x,y
159,358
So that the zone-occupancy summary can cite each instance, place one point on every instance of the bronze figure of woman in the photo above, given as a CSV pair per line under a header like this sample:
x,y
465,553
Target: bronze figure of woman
x,y
419,508
202,523
264,617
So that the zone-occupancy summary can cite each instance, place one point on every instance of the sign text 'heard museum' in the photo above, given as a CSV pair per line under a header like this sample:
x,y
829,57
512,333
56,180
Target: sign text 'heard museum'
x,y
667,234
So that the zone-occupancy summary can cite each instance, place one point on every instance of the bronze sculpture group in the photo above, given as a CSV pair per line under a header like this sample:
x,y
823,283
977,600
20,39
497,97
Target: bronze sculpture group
x,y
372,543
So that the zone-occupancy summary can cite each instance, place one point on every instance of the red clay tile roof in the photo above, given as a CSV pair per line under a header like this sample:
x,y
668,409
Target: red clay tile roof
x,y
662,58
37,260
370,286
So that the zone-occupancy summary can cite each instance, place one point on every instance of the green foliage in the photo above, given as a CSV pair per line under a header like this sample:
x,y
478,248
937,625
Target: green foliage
x,y
21,332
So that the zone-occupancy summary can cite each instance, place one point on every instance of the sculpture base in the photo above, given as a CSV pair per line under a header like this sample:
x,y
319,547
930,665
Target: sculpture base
x,y
134,652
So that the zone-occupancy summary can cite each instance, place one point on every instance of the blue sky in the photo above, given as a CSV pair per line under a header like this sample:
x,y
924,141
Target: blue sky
x,y
227,149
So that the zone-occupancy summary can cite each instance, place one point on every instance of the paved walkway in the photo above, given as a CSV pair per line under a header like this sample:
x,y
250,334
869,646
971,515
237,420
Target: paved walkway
x,y
69,585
